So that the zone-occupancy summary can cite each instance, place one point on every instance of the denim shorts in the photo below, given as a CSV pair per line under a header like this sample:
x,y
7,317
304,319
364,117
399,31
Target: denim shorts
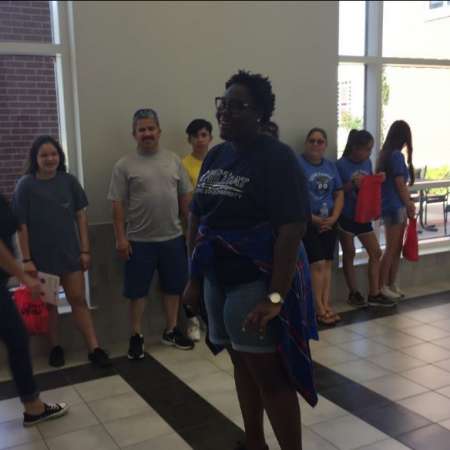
x,y
227,308
169,258
396,217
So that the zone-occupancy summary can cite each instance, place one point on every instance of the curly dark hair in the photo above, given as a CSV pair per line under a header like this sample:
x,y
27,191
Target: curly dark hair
x,y
260,89
32,164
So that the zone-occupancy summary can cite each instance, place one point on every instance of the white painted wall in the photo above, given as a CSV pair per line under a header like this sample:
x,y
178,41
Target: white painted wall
x,y
176,57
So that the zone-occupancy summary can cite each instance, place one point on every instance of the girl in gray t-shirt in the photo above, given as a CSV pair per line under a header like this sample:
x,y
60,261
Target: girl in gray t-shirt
x,y
53,234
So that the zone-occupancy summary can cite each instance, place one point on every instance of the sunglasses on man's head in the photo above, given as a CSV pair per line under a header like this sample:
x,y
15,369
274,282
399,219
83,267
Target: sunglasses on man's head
x,y
144,113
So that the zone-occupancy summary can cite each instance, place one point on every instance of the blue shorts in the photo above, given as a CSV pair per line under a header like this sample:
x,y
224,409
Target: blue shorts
x,y
396,217
228,307
349,226
168,257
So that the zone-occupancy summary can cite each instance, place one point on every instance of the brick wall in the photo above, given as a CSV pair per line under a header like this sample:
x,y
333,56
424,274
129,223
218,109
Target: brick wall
x,y
28,103
28,108
25,21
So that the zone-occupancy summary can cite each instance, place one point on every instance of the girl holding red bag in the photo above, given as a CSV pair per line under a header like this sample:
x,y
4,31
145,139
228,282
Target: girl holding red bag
x,y
396,202
12,330
50,205
353,166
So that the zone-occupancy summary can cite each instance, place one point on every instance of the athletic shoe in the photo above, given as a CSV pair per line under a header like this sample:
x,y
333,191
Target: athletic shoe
x,y
177,339
355,298
136,348
193,329
394,288
51,411
380,300
387,292
56,357
99,358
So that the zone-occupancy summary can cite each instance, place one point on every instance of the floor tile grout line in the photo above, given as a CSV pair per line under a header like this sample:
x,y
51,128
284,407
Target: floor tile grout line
x,y
348,412
100,422
418,429
388,402
68,381
42,436
181,431
323,438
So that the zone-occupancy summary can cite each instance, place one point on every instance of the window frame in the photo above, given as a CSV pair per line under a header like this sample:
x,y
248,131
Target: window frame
x,y
374,61
63,49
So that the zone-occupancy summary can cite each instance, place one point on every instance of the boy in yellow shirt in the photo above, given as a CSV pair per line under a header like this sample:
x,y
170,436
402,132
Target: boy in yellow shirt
x,y
199,136
199,133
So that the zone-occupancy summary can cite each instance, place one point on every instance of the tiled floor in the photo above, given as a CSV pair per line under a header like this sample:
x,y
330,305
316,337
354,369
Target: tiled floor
x,y
384,384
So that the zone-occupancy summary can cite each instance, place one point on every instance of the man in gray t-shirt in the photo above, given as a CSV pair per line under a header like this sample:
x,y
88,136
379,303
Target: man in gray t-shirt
x,y
150,192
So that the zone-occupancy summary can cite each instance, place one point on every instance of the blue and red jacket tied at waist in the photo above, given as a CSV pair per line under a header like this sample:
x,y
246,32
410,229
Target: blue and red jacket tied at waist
x,y
297,315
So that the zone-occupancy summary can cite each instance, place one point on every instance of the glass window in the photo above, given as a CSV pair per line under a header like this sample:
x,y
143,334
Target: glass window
x,y
420,95
28,100
435,4
352,28
350,101
412,30
22,21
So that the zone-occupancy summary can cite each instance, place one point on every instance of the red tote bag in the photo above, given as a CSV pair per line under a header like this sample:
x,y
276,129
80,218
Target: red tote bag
x,y
411,242
368,202
34,312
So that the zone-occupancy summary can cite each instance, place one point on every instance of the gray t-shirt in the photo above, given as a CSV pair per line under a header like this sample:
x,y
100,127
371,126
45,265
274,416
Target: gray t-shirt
x,y
48,208
148,185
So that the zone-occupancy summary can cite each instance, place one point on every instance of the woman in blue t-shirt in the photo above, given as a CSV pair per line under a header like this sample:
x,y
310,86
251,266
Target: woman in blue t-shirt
x,y
397,205
326,199
355,164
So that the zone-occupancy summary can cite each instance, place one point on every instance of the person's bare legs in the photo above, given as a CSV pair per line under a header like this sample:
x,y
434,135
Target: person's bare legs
x,y
278,397
317,269
396,257
52,325
34,407
370,243
348,258
171,308
326,296
73,285
391,257
136,308
250,401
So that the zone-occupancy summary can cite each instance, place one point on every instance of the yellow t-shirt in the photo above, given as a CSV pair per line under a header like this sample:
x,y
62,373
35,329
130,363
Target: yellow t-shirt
x,y
192,166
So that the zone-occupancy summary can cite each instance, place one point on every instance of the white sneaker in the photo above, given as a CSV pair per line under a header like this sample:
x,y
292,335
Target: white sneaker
x,y
387,292
193,329
397,290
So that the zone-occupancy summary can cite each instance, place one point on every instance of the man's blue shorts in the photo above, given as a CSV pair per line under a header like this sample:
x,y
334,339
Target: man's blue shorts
x,y
169,258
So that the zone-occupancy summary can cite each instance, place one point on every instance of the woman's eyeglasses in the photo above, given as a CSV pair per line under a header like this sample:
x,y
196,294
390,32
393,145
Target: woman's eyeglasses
x,y
316,141
233,106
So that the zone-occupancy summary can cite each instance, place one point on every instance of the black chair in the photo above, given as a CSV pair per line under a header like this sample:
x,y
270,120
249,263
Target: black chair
x,y
416,197
446,212
431,197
